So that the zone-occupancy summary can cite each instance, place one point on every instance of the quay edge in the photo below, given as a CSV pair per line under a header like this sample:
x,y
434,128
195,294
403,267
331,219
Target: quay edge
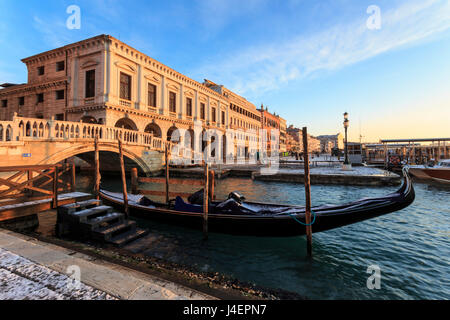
x,y
296,177
356,180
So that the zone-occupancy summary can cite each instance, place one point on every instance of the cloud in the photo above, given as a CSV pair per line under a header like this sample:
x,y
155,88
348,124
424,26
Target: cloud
x,y
215,15
257,69
55,34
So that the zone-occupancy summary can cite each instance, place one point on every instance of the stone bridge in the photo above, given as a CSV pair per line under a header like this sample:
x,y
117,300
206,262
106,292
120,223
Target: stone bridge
x,y
30,141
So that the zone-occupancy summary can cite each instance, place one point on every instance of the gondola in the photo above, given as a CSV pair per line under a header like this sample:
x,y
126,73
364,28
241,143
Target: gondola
x,y
263,219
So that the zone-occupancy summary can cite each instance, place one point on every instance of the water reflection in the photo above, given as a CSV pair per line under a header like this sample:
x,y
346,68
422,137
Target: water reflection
x,y
411,246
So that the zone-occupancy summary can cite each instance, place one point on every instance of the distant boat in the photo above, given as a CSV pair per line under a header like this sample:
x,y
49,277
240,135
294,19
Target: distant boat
x,y
262,219
439,172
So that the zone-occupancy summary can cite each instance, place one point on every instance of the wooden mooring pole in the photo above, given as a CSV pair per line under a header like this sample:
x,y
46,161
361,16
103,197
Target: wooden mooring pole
x,y
206,203
438,158
307,194
73,178
55,188
124,181
97,169
211,183
166,156
30,182
134,181
445,150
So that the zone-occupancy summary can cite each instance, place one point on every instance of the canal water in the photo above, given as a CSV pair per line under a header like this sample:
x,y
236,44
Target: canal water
x,y
411,247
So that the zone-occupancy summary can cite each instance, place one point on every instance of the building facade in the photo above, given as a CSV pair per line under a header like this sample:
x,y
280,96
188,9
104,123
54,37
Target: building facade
x,y
296,144
244,119
283,135
270,123
103,80
291,144
329,142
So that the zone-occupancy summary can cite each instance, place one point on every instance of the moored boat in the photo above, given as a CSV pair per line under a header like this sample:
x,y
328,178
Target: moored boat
x,y
263,219
439,172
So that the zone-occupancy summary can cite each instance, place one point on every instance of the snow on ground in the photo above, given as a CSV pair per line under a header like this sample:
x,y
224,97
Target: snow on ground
x,y
322,157
356,171
21,278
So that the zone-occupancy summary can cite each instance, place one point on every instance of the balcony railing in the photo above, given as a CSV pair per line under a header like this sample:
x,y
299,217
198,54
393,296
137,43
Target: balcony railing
x,y
125,103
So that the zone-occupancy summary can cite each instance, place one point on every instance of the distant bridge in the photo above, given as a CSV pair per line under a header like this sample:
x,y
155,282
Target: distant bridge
x,y
30,141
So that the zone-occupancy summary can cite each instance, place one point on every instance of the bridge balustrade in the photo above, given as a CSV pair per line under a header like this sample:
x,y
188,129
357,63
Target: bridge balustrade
x,y
31,129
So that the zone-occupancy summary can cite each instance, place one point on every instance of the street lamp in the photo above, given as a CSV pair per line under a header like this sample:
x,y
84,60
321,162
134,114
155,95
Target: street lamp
x,y
346,162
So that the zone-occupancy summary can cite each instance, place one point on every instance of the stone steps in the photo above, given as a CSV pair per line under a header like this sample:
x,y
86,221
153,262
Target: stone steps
x,y
115,229
103,221
128,237
78,206
92,220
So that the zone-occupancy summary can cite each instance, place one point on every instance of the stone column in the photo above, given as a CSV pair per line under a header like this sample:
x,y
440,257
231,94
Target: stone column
x,y
106,72
218,115
208,111
163,109
227,116
181,111
137,104
196,112
219,147
74,81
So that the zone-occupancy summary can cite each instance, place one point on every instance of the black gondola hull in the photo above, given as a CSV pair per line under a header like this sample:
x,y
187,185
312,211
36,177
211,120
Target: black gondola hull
x,y
284,225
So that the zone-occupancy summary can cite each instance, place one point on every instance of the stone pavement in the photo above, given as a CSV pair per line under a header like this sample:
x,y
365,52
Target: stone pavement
x,y
32,269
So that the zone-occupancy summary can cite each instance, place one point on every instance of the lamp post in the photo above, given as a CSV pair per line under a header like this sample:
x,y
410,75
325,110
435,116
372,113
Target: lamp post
x,y
346,121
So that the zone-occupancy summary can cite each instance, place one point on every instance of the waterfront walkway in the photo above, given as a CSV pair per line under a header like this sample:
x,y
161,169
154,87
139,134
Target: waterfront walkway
x,y
293,172
32,269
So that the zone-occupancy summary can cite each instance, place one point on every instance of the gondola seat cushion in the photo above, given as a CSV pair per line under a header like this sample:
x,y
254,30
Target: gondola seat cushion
x,y
144,201
196,198
180,205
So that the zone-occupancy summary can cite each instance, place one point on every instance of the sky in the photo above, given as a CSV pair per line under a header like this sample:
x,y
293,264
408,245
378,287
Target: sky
x,y
308,61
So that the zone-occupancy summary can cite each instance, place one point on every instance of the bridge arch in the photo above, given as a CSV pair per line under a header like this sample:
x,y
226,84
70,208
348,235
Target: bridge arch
x,y
89,147
126,123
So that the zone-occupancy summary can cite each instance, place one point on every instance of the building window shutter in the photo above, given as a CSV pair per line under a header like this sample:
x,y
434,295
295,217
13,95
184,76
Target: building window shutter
x,y
172,102
151,95
125,86
90,84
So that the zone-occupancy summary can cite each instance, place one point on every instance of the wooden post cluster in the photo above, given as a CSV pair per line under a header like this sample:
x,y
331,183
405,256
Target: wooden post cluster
x,y
208,183
307,194
124,181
